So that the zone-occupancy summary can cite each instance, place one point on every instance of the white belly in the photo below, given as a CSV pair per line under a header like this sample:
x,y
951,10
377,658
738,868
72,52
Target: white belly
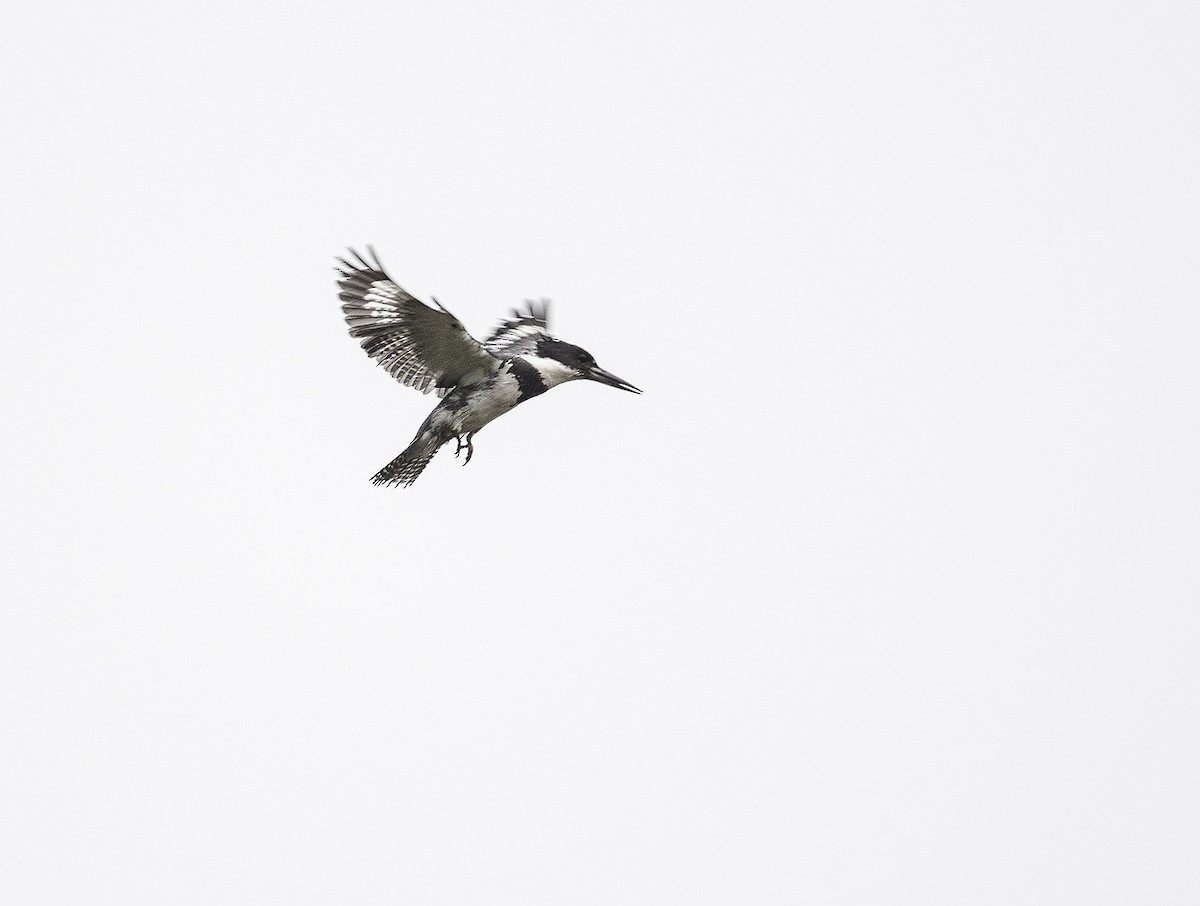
x,y
502,396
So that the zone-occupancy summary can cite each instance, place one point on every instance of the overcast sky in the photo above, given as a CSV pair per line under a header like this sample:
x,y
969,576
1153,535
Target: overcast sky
x,y
885,591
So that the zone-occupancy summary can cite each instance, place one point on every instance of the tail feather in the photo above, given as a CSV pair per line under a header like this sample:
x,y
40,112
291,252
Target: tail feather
x,y
405,468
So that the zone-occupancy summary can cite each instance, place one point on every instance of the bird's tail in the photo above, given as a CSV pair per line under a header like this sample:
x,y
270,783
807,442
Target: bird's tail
x,y
405,468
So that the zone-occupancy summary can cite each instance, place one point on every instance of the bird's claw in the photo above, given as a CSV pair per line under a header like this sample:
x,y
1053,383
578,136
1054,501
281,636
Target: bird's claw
x,y
461,442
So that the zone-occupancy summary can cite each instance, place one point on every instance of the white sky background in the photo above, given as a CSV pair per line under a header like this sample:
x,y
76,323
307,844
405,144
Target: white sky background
x,y
885,591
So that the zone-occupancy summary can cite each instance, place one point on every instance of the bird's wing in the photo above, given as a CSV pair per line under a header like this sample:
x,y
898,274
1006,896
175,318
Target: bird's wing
x,y
520,333
421,347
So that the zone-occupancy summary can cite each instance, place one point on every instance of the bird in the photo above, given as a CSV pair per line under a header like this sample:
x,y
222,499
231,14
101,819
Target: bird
x,y
427,348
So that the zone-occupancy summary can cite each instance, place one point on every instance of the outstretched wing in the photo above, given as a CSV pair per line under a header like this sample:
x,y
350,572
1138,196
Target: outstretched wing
x,y
422,347
520,334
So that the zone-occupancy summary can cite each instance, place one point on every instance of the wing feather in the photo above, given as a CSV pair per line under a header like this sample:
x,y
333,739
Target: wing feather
x,y
520,333
421,347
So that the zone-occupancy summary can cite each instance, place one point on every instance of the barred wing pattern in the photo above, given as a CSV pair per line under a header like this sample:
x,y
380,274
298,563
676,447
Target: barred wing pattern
x,y
519,335
421,347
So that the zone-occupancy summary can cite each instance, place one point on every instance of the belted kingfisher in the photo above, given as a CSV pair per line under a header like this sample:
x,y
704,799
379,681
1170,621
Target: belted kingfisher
x,y
429,349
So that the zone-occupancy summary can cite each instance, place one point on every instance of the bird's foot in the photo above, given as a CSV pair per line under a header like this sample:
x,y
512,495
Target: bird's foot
x,y
464,441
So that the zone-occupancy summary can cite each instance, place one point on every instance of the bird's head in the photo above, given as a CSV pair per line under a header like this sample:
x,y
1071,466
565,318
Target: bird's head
x,y
558,361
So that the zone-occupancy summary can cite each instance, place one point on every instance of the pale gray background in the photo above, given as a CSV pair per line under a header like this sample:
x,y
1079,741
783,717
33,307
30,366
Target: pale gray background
x,y
884,592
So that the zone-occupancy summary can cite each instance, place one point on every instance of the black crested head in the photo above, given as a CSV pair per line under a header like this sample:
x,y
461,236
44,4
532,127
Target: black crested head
x,y
578,363
567,353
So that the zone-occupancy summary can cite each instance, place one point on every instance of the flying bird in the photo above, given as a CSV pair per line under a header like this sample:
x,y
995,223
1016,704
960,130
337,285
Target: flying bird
x,y
428,348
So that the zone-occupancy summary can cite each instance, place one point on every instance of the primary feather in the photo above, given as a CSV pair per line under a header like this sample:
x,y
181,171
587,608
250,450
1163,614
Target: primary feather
x,y
520,334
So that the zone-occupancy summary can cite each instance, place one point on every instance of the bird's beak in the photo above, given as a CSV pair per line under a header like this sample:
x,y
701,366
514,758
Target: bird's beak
x,y
607,377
